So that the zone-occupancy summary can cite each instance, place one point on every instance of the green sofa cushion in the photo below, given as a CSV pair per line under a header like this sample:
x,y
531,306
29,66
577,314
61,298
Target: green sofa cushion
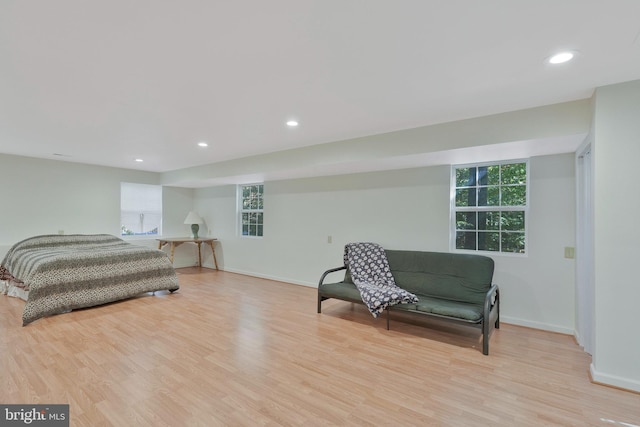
x,y
457,277
442,307
426,304
342,291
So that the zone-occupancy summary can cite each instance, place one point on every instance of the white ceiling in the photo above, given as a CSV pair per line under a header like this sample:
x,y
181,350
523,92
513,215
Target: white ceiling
x,y
105,82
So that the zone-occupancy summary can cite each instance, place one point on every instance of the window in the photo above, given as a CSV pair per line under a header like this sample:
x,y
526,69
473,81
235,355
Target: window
x,y
489,207
140,209
251,209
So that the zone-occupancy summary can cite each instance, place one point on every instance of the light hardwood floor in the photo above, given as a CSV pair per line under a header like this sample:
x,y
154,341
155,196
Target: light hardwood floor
x,y
233,350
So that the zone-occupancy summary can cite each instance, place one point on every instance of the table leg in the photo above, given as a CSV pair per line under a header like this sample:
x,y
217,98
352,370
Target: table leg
x,y
213,251
173,249
199,254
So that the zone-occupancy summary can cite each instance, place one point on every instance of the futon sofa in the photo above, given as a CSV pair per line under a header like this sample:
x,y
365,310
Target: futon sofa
x,y
450,286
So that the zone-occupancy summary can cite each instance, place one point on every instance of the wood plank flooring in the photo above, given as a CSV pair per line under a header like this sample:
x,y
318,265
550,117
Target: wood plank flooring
x,y
232,350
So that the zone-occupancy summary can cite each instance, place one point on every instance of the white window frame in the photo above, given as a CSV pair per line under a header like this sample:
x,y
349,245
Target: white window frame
x,y
242,211
454,209
143,209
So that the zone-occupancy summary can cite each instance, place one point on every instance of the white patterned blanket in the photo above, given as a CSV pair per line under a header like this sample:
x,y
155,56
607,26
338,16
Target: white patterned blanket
x,y
370,272
63,273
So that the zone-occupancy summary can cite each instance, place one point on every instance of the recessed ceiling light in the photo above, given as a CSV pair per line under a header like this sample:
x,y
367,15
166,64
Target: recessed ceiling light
x,y
561,57
203,144
292,123
139,160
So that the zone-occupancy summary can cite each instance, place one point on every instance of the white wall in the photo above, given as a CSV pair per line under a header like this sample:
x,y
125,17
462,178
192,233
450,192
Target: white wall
x,y
176,204
616,150
541,287
403,209
42,196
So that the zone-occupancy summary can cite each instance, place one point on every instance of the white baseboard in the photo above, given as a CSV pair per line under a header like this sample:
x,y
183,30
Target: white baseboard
x,y
269,277
613,380
537,325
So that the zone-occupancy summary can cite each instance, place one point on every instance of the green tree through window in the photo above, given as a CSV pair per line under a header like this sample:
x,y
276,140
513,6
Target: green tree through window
x,y
490,206
251,209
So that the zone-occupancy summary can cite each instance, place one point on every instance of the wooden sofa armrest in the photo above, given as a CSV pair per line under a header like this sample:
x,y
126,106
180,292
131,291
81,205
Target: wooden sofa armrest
x,y
332,270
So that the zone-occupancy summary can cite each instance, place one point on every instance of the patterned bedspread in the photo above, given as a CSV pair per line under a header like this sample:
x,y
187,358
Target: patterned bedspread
x,y
66,272
372,276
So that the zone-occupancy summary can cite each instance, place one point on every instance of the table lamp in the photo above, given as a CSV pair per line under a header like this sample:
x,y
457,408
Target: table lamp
x,y
194,220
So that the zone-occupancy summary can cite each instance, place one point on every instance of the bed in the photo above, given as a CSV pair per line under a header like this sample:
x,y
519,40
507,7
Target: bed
x,y
58,273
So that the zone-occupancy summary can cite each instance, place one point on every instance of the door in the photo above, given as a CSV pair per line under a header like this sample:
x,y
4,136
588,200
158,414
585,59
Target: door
x,y
585,288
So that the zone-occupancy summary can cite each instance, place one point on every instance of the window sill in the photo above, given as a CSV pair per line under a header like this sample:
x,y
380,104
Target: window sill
x,y
138,238
491,253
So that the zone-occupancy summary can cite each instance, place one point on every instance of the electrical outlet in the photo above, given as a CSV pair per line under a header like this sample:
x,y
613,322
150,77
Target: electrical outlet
x,y
60,231
329,239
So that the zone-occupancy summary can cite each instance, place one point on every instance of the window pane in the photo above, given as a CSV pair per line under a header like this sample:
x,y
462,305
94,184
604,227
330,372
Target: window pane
x,y
252,204
482,175
514,196
488,241
465,177
493,175
466,240
140,209
513,242
489,196
252,197
515,173
513,221
489,175
465,220
245,224
481,222
489,220
466,197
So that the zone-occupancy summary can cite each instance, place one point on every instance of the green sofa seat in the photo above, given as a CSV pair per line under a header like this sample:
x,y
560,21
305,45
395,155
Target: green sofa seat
x,y
345,291
443,307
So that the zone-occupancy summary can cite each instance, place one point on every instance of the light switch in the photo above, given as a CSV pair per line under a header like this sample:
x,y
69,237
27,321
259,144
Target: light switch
x,y
569,252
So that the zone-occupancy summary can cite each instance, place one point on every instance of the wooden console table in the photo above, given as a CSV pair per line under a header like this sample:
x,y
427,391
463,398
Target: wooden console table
x,y
177,241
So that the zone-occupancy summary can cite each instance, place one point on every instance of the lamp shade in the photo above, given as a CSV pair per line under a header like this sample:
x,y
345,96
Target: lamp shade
x,y
193,218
